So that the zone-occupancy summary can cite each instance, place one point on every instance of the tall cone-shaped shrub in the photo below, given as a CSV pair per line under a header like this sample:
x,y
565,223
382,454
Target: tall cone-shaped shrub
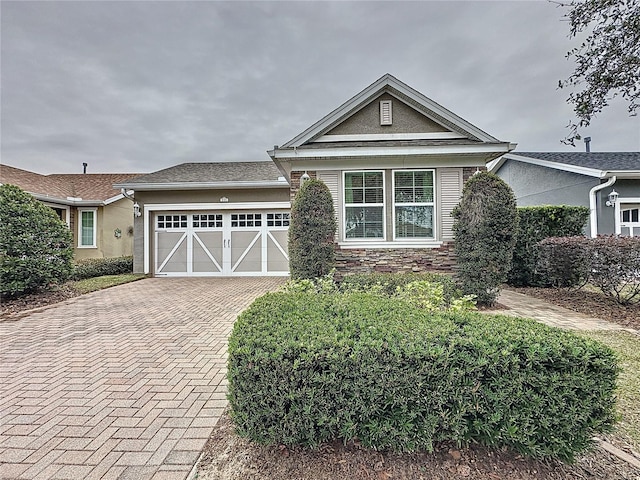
x,y
485,235
312,231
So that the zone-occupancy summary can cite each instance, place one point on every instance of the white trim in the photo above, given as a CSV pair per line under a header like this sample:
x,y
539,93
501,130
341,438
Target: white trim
x,y
590,172
203,185
373,137
216,206
618,220
61,207
365,205
113,199
390,151
361,245
421,204
95,227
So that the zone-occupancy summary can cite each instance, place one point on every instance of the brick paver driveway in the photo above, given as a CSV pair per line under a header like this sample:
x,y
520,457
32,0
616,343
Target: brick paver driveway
x,y
125,383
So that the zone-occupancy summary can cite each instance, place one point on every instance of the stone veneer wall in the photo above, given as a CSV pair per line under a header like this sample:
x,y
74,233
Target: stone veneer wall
x,y
396,260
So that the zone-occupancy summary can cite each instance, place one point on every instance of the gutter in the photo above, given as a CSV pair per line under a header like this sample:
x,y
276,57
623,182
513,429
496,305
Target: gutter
x,y
593,214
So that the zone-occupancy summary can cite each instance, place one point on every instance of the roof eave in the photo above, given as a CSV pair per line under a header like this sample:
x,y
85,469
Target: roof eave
x,y
632,174
201,185
294,153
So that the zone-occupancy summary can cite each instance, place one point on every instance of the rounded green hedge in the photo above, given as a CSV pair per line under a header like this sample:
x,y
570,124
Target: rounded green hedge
x,y
306,368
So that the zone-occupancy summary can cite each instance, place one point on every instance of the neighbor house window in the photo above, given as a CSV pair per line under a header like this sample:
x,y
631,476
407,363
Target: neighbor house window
x,y
364,205
413,195
87,228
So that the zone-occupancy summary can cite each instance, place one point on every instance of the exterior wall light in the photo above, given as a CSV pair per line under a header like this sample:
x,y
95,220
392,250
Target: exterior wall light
x,y
613,198
136,210
304,177
224,200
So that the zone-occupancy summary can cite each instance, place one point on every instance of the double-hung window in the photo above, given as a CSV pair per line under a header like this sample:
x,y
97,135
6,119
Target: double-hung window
x,y
413,194
87,228
364,205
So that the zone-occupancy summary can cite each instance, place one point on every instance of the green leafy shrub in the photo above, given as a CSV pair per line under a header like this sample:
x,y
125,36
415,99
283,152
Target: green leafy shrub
x,y
388,283
610,263
563,261
97,267
534,225
308,368
312,231
615,267
35,245
485,235
429,296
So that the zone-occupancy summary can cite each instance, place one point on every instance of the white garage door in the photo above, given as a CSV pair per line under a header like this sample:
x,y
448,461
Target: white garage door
x,y
221,243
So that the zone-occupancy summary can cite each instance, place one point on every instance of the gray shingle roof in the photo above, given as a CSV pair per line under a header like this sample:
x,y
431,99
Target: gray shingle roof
x,y
597,160
202,173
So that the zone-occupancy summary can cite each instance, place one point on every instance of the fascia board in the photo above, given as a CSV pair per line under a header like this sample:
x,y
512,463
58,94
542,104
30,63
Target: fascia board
x,y
358,101
391,151
590,172
201,185
494,165
114,199
632,174
67,202
216,206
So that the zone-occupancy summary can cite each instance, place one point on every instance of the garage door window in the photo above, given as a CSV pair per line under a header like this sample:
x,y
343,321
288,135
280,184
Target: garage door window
x,y
172,221
246,220
278,219
207,221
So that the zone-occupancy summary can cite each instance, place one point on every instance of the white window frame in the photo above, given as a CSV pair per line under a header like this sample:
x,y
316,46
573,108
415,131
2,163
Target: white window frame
x,y
418,204
94,211
345,205
618,214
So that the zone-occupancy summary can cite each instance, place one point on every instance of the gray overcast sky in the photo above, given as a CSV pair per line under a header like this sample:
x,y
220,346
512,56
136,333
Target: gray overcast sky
x,y
140,86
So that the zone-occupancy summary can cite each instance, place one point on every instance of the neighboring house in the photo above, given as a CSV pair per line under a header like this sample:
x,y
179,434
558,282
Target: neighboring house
x,y
395,163
579,178
100,218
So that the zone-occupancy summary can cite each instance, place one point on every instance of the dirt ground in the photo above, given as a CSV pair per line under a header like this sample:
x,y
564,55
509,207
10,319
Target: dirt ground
x,y
229,457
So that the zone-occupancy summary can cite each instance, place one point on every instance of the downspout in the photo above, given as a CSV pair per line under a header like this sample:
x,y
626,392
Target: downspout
x,y
593,214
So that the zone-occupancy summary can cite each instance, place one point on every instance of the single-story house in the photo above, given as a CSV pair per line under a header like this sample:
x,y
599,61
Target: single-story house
x,y
100,218
394,160
606,182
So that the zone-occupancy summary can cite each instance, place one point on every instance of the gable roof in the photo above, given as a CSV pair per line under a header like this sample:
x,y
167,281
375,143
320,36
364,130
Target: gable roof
x,y
592,164
67,189
188,176
388,83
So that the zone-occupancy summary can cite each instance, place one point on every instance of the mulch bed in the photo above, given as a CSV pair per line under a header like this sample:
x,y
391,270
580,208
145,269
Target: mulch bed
x,y
229,457
11,308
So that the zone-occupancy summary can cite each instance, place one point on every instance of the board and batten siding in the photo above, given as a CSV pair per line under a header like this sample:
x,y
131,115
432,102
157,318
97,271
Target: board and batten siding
x,y
450,193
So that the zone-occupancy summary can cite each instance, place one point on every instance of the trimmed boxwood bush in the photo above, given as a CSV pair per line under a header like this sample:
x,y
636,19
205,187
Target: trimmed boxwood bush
x,y
35,245
307,368
312,231
97,267
536,224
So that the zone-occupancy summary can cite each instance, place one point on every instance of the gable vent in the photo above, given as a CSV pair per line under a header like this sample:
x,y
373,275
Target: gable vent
x,y
385,112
